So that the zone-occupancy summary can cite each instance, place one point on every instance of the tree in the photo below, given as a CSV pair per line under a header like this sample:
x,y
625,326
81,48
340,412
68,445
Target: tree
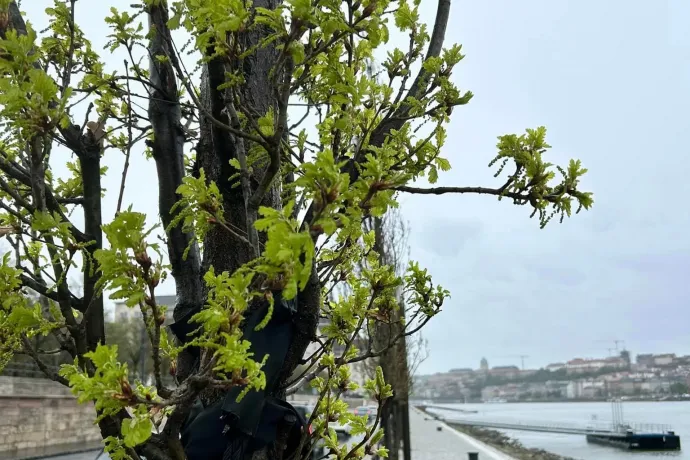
x,y
390,243
273,147
22,363
679,388
129,335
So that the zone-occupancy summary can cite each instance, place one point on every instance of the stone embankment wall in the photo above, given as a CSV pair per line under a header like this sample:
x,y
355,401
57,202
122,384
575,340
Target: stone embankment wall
x,y
41,414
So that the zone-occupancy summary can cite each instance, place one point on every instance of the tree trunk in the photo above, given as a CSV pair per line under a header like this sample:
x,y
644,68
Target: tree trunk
x,y
393,362
216,148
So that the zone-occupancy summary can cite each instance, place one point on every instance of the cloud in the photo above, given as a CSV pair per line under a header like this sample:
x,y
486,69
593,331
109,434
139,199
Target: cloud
x,y
616,272
446,238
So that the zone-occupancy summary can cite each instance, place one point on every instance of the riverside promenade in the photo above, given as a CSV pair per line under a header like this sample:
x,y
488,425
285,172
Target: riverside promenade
x,y
427,443
448,444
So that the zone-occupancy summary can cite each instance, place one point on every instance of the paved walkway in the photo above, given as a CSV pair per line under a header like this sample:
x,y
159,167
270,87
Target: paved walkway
x,y
427,443
430,444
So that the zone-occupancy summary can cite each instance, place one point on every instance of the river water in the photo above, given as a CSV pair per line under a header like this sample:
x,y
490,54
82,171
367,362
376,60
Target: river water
x,y
676,414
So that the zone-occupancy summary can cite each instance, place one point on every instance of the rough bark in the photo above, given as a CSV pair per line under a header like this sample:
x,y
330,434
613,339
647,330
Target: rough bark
x,y
393,361
168,152
94,323
216,148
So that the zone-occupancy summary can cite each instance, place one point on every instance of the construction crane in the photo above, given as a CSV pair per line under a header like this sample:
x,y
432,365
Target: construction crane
x,y
615,342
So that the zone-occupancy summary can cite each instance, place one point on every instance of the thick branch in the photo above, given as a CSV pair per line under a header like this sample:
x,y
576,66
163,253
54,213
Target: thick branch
x,y
476,190
43,290
241,152
90,161
14,171
519,198
435,47
168,152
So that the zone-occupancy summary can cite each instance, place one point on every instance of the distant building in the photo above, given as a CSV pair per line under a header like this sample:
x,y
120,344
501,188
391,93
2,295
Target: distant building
x,y
637,384
682,360
484,365
579,365
585,389
664,360
461,371
125,313
553,367
617,362
527,372
505,371
647,361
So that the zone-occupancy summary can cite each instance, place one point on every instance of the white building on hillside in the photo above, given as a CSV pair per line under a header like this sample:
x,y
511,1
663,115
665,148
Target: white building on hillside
x,y
588,389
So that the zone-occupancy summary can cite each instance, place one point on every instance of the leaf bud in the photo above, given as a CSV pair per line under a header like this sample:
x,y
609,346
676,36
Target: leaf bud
x,y
126,389
369,9
143,260
160,319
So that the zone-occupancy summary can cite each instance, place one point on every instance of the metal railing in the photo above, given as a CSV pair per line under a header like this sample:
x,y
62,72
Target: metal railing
x,y
593,427
544,427
643,427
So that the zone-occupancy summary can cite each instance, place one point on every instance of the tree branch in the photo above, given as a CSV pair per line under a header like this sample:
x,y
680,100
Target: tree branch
x,y
435,47
475,190
92,304
28,348
43,290
125,168
168,151
241,152
16,172
379,134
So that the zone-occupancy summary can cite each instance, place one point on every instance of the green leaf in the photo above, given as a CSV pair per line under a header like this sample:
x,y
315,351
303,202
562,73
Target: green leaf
x,y
442,163
301,9
297,52
433,175
136,431
405,18
341,123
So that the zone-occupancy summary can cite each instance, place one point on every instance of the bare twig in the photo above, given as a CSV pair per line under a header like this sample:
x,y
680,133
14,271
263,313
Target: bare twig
x,y
28,348
129,142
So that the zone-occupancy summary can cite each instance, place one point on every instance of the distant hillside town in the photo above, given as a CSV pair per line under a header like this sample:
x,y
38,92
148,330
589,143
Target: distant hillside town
x,y
651,376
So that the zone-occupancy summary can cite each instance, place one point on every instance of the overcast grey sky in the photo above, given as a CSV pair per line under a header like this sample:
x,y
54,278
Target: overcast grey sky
x,y
610,81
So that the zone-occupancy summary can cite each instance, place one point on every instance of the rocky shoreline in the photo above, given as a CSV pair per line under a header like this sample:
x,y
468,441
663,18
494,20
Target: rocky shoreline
x,y
506,444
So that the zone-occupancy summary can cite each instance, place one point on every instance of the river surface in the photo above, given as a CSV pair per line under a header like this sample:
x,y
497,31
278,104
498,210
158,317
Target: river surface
x,y
676,414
